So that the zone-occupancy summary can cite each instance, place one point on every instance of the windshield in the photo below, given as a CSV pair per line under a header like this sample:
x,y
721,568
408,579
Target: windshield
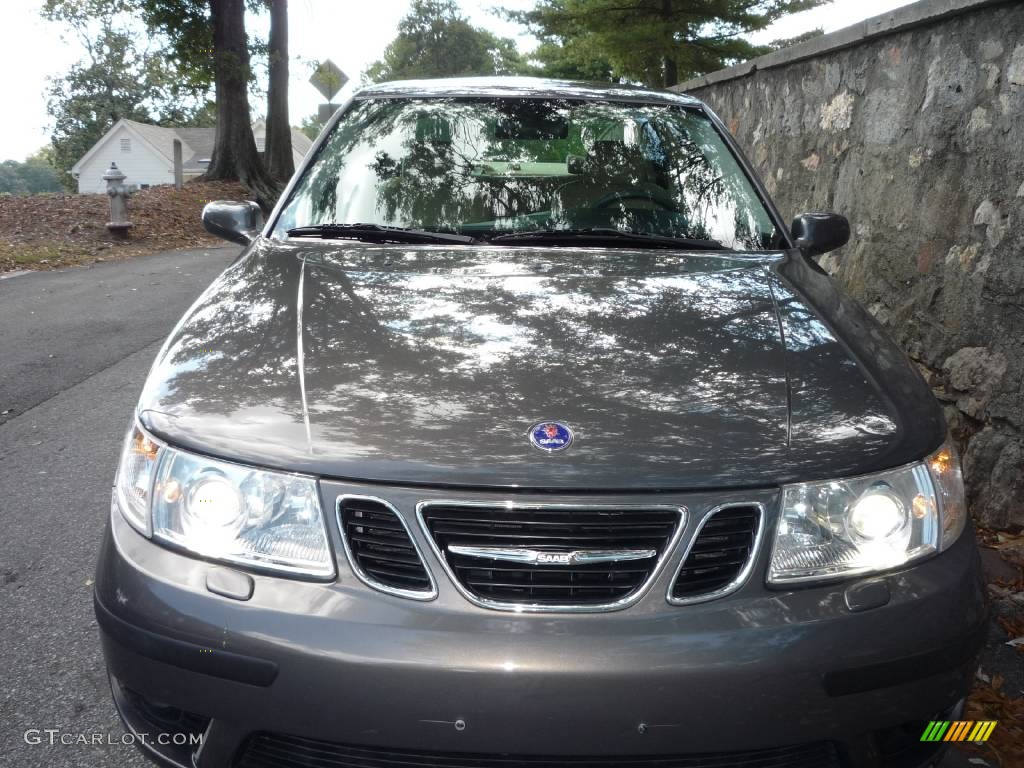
x,y
493,166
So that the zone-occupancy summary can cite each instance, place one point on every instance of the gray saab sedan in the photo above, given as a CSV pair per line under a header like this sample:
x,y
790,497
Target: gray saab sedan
x,y
525,434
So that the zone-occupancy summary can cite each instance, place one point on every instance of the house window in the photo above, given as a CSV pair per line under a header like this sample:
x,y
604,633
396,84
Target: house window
x,y
126,145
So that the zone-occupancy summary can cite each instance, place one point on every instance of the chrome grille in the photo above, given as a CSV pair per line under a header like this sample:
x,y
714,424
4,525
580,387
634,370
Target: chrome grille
x,y
381,549
720,555
549,556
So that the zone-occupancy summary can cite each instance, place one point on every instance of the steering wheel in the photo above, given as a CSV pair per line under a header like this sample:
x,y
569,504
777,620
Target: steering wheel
x,y
636,193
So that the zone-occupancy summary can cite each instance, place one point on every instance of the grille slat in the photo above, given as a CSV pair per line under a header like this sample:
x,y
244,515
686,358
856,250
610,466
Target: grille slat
x,y
395,541
392,559
719,553
278,751
498,586
706,584
398,570
725,554
397,581
555,542
598,568
380,547
376,520
715,543
547,523
553,516
554,530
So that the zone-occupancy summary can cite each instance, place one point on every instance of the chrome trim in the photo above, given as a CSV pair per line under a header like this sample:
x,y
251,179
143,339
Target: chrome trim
x,y
744,573
411,594
545,557
498,605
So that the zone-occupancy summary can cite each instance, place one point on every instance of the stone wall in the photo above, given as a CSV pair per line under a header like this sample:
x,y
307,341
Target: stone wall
x,y
912,125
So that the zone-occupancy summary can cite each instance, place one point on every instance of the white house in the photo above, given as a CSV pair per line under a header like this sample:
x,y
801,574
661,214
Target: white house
x,y
145,153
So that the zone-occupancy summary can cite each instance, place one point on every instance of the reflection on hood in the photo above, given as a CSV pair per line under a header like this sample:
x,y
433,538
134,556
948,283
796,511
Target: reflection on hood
x,y
431,364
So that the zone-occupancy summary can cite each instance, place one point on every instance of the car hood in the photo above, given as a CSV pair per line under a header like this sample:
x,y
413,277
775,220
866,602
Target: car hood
x,y
430,365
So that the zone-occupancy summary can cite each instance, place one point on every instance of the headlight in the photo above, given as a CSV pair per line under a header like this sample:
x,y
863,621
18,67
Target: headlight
x,y
223,511
944,468
135,478
865,524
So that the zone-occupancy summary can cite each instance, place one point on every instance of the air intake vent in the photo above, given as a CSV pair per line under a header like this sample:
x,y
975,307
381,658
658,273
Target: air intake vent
x,y
271,750
551,557
381,549
717,560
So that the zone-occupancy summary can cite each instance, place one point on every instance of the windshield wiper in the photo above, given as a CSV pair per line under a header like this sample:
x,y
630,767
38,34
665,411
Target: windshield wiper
x,y
604,236
375,233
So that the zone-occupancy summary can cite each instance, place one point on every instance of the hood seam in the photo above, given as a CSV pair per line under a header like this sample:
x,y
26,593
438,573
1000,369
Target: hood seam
x,y
300,357
785,358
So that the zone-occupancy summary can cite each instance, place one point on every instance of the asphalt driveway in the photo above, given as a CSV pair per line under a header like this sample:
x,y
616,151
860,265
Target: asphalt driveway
x,y
75,346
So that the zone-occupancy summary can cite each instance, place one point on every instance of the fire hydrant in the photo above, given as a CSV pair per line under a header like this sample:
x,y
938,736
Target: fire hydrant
x,y
118,193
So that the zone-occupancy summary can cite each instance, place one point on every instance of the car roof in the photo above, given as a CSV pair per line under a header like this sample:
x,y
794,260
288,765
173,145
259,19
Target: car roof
x,y
523,87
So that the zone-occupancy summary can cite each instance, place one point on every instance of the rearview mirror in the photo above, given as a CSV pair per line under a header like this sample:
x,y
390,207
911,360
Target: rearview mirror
x,y
820,232
238,222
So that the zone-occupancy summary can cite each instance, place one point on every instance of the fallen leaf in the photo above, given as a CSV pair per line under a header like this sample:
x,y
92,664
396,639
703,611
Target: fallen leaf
x,y
52,230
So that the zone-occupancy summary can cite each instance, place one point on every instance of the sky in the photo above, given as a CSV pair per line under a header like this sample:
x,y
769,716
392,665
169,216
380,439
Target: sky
x,y
352,33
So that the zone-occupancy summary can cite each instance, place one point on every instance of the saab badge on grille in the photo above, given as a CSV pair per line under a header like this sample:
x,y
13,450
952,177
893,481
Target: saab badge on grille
x,y
551,436
555,558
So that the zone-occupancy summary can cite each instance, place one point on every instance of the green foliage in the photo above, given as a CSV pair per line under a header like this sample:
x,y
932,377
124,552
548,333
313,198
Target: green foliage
x,y
183,30
434,40
79,14
94,95
168,82
575,59
187,29
115,80
311,126
180,27
785,42
200,114
34,175
658,42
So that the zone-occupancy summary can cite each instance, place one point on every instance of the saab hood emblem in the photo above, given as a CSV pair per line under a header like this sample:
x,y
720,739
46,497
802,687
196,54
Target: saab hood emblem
x,y
551,436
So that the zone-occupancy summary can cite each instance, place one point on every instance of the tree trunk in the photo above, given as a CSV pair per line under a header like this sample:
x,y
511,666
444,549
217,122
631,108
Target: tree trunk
x,y
669,68
670,73
278,151
234,151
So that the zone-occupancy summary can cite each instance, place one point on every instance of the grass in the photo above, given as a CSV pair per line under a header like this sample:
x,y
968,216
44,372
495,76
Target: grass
x,y
40,255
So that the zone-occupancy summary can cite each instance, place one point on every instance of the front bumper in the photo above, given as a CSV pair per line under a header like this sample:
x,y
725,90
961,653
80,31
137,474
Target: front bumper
x,y
339,662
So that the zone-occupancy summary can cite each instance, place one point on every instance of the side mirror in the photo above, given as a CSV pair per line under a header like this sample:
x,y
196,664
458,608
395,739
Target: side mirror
x,y
818,233
238,222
